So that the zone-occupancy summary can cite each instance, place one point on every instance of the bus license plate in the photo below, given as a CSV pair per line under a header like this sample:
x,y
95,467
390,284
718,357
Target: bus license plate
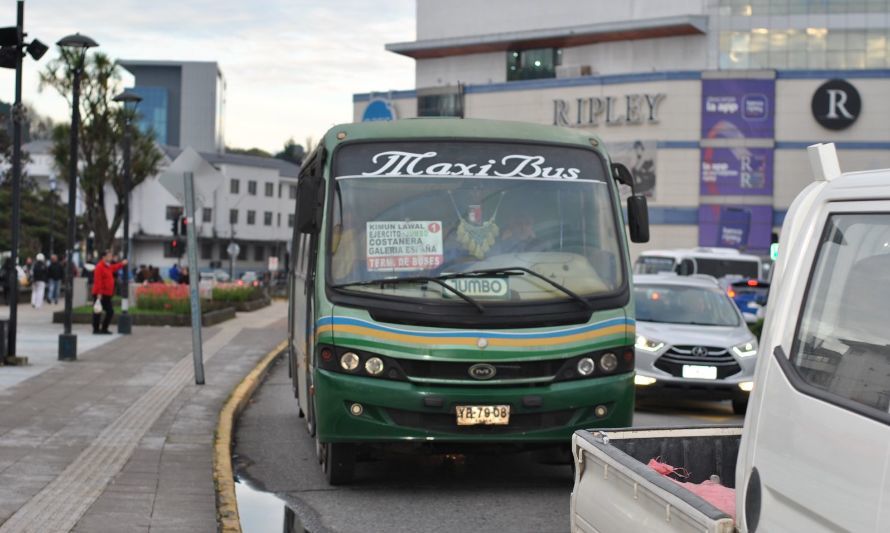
x,y
487,415
699,372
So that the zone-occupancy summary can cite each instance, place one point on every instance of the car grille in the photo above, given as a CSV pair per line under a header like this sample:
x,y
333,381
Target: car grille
x,y
440,370
673,360
446,422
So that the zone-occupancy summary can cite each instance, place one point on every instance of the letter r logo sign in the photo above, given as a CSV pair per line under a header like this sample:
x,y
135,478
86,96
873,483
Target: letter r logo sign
x,y
836,104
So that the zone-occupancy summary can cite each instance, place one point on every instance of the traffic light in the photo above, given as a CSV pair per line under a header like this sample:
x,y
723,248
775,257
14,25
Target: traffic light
x,y
178,247
174,227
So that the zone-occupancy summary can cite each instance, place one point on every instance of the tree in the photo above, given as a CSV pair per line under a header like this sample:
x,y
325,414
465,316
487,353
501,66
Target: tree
x,y
292,152
258,152
101,132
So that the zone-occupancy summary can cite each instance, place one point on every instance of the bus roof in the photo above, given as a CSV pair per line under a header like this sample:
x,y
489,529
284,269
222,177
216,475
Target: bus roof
x,y
704,253
460,128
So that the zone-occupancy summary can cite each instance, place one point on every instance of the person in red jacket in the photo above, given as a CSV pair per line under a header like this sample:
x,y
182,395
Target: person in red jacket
x,y
103,290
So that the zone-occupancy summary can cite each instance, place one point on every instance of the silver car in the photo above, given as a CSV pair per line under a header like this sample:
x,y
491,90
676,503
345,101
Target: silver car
x,y
691,337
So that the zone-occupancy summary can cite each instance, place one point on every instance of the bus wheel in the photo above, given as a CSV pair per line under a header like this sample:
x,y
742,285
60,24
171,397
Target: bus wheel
x,y
338,462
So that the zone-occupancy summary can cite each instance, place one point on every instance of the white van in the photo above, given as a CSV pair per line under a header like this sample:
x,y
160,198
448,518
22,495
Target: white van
x,y
814,453
716,262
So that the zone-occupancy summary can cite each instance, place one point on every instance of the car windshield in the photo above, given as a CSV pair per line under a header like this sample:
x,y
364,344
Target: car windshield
x,y
421,226
678,304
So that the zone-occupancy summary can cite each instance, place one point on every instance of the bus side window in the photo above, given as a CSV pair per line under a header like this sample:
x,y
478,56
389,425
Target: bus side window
x,y
686,267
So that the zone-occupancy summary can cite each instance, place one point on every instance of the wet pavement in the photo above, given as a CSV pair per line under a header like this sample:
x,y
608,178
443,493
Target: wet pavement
x,y
282,484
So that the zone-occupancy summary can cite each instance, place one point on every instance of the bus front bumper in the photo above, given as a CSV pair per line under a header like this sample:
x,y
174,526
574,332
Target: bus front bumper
x,y
397,411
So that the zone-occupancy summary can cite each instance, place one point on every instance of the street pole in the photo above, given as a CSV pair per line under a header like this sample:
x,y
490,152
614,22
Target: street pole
x,y
17,117
52,216
192,249
125,322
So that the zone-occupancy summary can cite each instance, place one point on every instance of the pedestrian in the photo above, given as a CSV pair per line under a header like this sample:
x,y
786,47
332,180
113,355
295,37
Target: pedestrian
x,y
174,273
39,277
56,274
184,276
103,290
29,265
154,275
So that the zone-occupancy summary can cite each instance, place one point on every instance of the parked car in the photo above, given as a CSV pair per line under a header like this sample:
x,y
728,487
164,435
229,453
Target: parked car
x,y
692,339
250,278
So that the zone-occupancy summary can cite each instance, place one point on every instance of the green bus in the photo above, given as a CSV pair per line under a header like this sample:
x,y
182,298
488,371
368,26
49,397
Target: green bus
x,y
460,281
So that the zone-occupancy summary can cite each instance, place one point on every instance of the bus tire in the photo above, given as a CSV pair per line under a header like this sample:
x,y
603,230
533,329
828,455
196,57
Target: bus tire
x,y
338,462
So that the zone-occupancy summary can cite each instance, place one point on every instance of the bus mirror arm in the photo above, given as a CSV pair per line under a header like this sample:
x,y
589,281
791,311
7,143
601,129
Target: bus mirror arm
x,y
310,204
638,218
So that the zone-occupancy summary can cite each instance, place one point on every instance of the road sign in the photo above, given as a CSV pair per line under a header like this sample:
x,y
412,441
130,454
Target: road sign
x,y
273,263
206,178
233,249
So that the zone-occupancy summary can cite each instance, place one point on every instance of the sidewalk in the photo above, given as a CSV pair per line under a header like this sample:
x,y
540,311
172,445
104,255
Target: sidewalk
x,y
122,439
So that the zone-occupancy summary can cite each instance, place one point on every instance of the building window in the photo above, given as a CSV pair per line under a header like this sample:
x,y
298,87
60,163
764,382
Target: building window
x,y
206,250
267,218
533,64
233,216
440,102
234,186
810,48
293,192
251,188
251,217
174,212
242,253
153,111
270,190
281,190
224,250
290,220
279,220
259,252
207,214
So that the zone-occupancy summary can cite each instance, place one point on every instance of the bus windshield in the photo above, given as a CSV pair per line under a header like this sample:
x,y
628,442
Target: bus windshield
x,y
388,225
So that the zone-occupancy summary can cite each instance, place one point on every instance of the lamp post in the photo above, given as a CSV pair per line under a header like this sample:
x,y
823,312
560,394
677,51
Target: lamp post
x,y
130,101
12,41
53,185
78,44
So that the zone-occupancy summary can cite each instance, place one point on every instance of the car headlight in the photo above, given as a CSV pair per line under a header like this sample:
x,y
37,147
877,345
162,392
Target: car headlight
x,y
648,345
746,349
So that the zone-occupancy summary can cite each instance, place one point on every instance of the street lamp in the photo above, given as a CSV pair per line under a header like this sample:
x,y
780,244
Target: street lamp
x,y
53,185
12,50
130,101
78,45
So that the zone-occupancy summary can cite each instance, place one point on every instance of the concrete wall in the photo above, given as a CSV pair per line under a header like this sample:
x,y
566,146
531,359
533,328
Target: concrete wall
x,y
199,107
437,19
468,69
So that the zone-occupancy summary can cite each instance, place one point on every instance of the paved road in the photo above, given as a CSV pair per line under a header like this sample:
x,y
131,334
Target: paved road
x,y
276,461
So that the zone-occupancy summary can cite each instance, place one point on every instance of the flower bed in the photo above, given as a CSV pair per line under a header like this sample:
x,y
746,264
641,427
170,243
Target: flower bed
x,y
232,292
162,297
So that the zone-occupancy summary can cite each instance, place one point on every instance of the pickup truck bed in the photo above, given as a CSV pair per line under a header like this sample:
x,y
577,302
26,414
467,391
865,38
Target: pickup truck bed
x,y
616,491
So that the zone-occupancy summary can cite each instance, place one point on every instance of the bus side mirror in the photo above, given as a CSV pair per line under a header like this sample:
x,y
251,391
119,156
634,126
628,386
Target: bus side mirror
x,y
310,204
638,218
622,175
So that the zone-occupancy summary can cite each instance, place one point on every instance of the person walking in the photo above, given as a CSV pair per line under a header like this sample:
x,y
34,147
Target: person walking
x,y
39,277
56,274
103,290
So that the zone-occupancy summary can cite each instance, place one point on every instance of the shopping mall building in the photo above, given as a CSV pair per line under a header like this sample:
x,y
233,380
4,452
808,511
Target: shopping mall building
x,y
710,103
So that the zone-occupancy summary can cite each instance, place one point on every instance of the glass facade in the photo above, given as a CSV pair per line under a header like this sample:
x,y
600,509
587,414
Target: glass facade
x,y
533,64
153,111
803,34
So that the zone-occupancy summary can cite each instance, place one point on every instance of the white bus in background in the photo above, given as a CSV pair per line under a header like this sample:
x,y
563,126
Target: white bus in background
x,y
716,262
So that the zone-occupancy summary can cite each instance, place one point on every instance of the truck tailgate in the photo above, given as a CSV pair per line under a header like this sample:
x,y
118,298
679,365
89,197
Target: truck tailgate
x,y
616,492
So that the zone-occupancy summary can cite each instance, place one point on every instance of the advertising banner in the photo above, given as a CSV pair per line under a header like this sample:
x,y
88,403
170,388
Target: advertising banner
x,y
743,227
738,109
639,158
736,171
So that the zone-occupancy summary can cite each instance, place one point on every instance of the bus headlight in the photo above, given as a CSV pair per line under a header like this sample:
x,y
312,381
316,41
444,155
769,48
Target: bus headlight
x,y
349,361
648,345
746,349
586,366
608,362
374,366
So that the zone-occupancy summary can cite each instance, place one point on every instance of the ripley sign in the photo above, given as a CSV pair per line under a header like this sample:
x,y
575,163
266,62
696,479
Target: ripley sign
x,y
608,110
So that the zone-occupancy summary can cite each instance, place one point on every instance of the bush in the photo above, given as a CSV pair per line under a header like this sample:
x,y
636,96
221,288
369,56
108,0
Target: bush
x,y
231,292
163,297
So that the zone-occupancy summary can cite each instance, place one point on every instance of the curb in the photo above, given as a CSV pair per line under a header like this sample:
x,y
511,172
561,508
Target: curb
x,y
227,517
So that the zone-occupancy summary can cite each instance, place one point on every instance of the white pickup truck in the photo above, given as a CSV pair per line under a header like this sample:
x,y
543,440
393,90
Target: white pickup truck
x,y
814,452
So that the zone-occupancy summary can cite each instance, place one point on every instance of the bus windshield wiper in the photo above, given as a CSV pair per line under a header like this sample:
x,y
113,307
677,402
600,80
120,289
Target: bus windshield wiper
x,y
439,280
518,271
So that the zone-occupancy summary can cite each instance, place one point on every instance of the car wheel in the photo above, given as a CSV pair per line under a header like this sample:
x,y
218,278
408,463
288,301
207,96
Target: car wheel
x,y
739,405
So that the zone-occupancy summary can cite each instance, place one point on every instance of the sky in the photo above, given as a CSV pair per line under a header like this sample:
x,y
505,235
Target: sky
x,y
291,66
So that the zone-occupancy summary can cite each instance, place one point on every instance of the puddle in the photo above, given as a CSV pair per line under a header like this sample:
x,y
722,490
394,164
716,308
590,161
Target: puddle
x,y
262,512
